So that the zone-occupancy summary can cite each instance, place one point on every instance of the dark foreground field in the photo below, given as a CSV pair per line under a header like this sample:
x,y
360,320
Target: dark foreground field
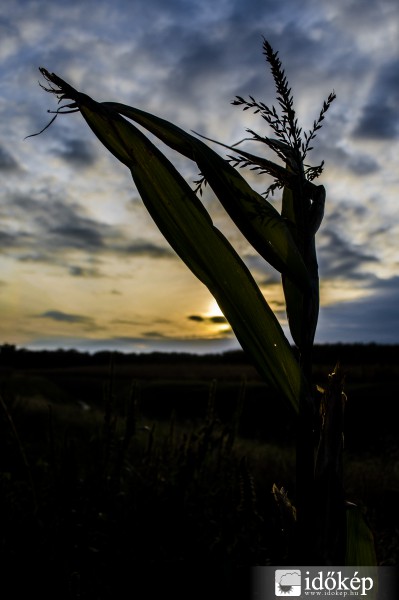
x,y
118,472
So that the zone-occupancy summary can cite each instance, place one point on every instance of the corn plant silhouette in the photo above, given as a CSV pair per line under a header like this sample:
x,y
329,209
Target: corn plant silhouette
x,y
324,529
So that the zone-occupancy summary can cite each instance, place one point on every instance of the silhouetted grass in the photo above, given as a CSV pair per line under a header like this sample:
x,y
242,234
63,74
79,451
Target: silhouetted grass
x,y
93,499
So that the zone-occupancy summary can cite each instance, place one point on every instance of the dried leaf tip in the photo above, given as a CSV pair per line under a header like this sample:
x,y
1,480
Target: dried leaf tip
x,y
63,91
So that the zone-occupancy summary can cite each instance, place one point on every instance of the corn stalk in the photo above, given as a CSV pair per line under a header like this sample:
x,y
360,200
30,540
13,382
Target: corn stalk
x,y
287,242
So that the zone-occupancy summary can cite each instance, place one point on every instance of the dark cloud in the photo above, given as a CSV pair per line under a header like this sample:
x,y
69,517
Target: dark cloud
x,y
211,59
371,319
56,224
361,164
149,249
77,271
217,319
78,153
338,257
344,158
59,226
378,122
13,240
365,16
355,161
380,114
86,234
7,161
57,315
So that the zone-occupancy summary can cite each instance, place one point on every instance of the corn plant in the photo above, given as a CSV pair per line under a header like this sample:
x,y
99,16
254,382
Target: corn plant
x,y
325,531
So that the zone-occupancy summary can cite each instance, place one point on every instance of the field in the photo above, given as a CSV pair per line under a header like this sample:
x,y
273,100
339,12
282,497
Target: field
x,y
115,467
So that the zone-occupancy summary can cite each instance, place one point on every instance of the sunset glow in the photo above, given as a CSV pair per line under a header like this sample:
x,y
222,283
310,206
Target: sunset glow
x,y
83,264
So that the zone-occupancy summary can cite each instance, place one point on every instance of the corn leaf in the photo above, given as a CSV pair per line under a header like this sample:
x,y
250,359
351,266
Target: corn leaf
x,y
293,295
256,218
187,226
303,218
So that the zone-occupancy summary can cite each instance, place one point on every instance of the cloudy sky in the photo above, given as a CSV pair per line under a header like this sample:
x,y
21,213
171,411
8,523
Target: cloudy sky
x,y
82,265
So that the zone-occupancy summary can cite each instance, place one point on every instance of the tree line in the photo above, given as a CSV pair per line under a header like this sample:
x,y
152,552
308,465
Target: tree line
x,y
324,354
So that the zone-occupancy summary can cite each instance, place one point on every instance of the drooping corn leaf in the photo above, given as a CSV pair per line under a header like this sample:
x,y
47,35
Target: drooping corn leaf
x,y
183,142
182,220
276,237
188,228
256,218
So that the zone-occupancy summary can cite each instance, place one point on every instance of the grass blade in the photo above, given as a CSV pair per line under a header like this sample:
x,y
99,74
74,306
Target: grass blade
x,y
360,549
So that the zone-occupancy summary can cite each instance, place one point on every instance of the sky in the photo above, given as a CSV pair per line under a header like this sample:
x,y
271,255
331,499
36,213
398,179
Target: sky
x,y
83,266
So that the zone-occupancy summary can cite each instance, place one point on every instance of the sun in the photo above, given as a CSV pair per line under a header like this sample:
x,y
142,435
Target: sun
x,y
213,309
216,322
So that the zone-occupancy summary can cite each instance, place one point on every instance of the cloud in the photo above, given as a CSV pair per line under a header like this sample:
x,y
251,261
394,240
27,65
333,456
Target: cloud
x,y
340,258
341,155
379,118
362,164
149,249
378,122
371,319
56,223
7,161
57,315
85,234
78,271
59,227
15,239
79,153
218,319
347,158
